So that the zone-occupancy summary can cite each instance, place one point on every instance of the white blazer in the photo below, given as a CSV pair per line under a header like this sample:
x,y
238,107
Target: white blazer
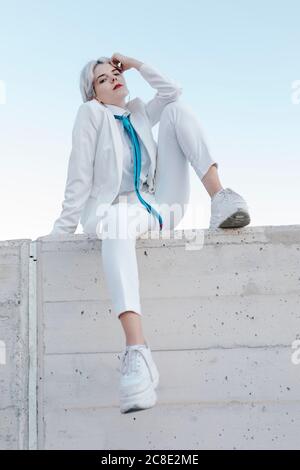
x,y
95,163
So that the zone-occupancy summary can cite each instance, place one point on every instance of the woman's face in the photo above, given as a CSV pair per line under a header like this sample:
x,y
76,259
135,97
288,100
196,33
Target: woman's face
x,y
106,76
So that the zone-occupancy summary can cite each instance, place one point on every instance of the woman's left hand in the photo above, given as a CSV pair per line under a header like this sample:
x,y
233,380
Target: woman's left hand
x,y
127,62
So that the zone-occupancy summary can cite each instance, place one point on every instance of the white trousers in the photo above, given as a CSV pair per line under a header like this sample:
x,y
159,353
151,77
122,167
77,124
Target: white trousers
x,y
180,143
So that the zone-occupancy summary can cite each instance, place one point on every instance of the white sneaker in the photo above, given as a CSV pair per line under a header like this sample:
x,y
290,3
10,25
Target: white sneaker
x,y
228,210
139,378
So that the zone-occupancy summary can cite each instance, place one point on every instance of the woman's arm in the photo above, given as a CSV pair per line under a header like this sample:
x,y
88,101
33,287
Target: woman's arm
x,y
136,64
168,90
80,171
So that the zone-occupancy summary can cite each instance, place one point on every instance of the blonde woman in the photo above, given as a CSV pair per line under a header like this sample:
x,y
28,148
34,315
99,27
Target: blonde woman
x,y
116,166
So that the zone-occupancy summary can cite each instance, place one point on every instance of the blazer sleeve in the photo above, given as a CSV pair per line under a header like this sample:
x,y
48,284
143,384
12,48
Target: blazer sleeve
x,y
80,171
168,90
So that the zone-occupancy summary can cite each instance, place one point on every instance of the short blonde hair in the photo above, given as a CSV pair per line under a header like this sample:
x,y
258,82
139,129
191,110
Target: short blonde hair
x,y
87,77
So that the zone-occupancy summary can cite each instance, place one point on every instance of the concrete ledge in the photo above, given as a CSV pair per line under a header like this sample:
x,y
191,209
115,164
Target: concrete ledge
x,y
265,234
220,313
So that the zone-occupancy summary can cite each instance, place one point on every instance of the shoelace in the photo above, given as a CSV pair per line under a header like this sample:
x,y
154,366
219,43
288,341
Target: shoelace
x,y
224,193
131,361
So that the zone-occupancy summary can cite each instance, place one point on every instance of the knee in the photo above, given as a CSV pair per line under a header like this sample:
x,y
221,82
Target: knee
x,y
177,104
171,110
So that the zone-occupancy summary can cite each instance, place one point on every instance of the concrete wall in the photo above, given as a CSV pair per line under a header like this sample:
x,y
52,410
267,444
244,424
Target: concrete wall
x,y
220,320
221,313
14,288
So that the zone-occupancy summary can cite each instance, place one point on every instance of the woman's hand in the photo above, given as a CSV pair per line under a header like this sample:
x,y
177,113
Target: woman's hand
x,y
126,62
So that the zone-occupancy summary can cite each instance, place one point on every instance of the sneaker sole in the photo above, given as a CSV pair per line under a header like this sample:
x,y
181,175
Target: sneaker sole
x,y
239,218
137,402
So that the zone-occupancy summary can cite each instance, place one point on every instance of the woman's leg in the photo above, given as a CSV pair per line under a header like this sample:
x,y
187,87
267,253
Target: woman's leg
x,y
119,263
211,181
181,143
132,326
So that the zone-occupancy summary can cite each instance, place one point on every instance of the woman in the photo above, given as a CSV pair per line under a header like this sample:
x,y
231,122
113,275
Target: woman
x,y
114,158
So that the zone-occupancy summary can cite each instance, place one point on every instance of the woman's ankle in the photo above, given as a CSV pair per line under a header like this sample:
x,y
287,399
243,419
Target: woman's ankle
x,y
135,343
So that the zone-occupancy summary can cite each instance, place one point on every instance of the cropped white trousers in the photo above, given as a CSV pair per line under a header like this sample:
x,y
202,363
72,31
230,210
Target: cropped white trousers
x,y
180,143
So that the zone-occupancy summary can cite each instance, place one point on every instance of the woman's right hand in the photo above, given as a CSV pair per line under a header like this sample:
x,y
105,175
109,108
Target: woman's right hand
x,y
126,62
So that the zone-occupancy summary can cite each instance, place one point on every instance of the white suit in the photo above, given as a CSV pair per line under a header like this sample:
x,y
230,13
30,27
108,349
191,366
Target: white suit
x,y
95,164
95,173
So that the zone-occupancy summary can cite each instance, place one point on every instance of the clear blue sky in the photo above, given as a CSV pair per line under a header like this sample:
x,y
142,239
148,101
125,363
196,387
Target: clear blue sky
x,y
236,61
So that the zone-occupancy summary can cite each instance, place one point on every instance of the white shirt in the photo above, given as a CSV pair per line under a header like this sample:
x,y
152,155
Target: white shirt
x,y
127,182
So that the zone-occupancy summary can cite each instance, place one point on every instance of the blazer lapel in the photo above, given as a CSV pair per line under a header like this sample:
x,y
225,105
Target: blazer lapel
x,y
117,142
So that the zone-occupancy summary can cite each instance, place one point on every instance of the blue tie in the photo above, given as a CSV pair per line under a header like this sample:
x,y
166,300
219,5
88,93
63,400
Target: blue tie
x,y
137,163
